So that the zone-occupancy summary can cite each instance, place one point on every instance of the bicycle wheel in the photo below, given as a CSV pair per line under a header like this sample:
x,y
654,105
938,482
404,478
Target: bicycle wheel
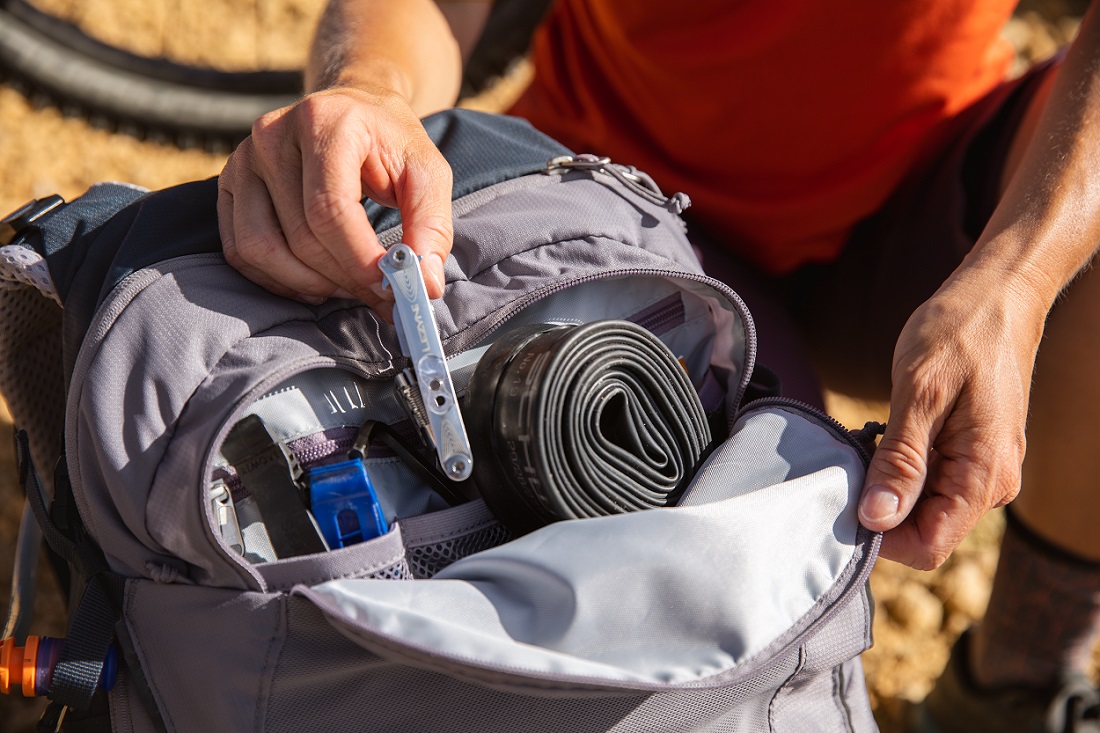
x,y
505,39
152,95
139,94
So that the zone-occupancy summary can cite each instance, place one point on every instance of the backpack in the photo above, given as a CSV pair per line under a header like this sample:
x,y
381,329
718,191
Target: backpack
x,y
743,605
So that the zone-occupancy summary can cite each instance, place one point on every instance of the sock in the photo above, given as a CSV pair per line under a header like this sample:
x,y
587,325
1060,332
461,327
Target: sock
x,y
1043,618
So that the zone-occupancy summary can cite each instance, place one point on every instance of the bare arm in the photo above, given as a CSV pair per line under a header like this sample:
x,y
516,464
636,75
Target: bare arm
x,y
288,205
963,364
415,47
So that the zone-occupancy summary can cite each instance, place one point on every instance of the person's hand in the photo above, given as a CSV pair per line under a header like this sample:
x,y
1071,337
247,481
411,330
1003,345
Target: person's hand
x,y
289,197
954,444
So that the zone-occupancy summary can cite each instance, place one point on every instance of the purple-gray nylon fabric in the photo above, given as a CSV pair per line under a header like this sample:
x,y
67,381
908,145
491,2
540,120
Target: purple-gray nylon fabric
x,y
205,342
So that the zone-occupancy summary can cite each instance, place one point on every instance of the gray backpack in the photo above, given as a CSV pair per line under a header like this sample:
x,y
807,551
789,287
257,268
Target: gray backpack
x,y
743,605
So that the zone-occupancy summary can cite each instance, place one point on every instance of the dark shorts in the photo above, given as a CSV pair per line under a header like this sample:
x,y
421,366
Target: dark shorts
x,y
848,314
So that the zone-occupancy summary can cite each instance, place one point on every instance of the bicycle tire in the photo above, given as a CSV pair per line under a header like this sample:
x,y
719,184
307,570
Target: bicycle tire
x,y
147,96
152,97
505,39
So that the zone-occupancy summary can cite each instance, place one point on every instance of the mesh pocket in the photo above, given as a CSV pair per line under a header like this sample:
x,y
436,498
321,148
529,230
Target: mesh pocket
x,y
32,380
427,560
397,571
434,541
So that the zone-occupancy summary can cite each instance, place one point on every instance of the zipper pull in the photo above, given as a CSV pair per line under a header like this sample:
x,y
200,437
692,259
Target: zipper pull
x,y
585,162
634,179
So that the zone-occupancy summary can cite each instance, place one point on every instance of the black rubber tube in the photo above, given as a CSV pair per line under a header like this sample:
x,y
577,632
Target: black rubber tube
x,y
582,421
154,95
194,105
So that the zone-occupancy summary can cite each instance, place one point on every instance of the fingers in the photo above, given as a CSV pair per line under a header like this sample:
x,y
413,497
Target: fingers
x,y
416,178
898,470
931,532
290,198
424,195
945,460
253,242
331,229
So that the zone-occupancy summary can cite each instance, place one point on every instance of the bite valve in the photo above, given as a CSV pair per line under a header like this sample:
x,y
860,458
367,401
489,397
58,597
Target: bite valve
x,y
31,667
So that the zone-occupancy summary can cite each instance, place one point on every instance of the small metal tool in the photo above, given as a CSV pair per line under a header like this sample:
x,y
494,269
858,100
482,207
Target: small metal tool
x,y
419,336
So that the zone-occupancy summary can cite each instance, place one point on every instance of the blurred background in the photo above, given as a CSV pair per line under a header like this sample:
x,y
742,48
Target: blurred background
x,y
47,148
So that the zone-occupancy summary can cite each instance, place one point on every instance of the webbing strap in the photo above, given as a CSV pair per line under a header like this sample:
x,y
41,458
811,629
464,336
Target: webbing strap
x,y
76,676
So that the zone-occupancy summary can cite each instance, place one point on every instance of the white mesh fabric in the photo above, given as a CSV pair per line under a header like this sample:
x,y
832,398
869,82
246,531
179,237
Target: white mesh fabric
x,y
21,266
31,373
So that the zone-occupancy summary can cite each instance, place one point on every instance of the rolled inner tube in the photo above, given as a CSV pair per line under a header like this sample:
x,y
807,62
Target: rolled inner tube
x,y
568,422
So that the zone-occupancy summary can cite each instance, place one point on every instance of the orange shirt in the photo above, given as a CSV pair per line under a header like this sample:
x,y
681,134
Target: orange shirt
x,y
785,121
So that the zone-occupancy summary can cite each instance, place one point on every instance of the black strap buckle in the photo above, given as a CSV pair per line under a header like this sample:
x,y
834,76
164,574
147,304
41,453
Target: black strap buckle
x,y
14,225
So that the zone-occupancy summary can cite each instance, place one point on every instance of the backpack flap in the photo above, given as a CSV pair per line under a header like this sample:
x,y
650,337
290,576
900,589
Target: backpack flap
x,y
765,543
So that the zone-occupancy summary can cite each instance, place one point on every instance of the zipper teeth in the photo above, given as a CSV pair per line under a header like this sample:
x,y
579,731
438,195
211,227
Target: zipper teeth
x,y
473,336
822,417
309,457
670,314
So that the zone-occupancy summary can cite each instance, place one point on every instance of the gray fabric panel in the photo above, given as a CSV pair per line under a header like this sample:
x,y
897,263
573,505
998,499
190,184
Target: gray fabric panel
x,y
828,694
559,604
808,703
208,654
365,692
138,487
845,634
853,691
128,714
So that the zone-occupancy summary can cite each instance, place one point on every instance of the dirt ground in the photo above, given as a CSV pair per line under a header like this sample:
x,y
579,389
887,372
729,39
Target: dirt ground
x,y
43,151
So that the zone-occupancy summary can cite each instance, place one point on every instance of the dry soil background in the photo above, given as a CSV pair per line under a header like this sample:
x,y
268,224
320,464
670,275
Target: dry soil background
x,y
43,151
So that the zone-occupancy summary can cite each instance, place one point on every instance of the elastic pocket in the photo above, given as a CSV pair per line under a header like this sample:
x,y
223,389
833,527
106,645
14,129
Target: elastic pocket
x,y
381,558
414,548
434,541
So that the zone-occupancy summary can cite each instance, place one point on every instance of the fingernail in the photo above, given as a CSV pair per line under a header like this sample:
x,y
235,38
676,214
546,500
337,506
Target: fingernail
x,y
432,265
310,299
383,294
879,504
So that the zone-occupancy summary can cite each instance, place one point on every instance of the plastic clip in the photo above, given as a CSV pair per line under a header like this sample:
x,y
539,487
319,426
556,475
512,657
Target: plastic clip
x,y
345,504
225,514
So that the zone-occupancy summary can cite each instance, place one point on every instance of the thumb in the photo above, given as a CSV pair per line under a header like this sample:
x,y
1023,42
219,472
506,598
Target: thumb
x,y
896,476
